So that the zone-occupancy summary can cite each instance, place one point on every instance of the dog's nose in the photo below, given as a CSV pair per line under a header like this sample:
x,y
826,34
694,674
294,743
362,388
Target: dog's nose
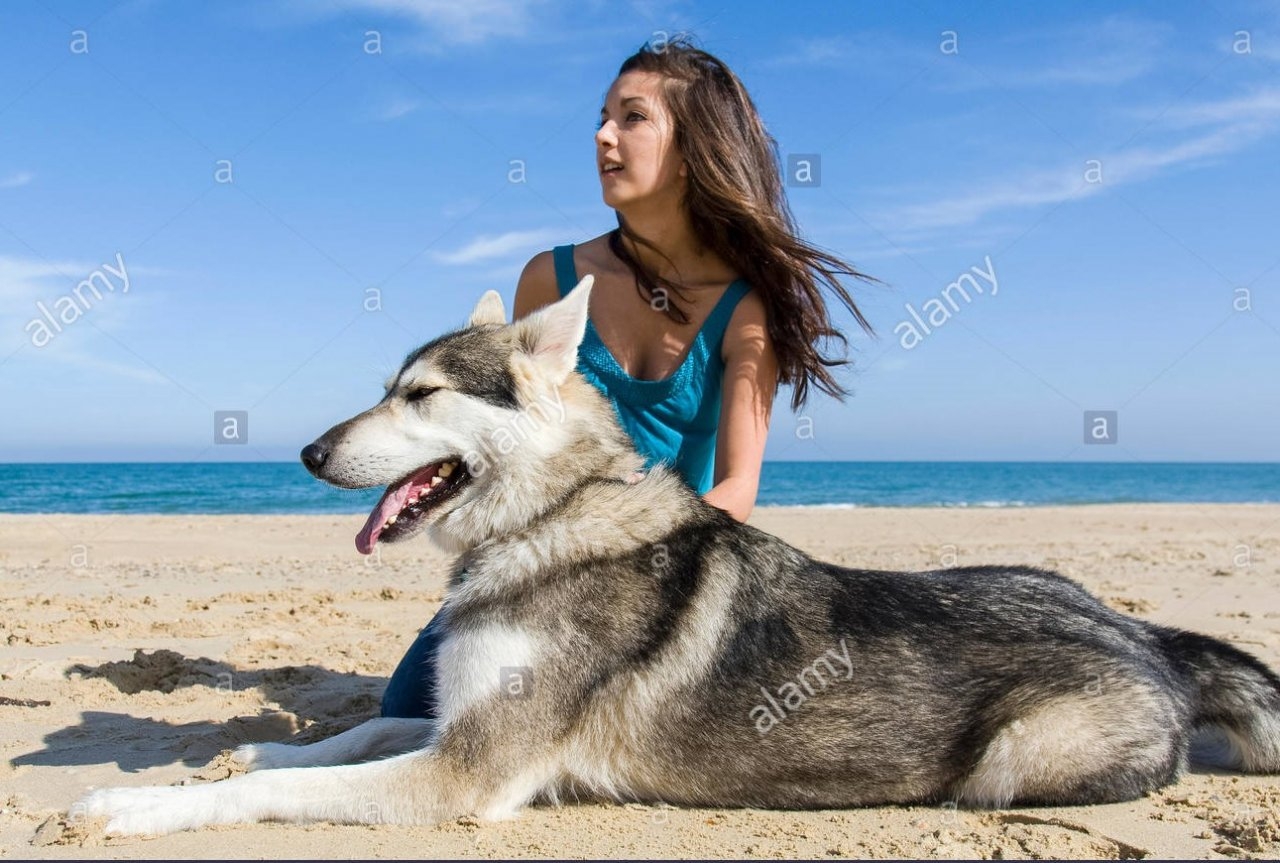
x,y
314,456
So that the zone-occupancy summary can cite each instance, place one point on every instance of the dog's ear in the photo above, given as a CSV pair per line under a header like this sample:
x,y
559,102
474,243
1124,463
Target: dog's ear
x,y
551,335
488,311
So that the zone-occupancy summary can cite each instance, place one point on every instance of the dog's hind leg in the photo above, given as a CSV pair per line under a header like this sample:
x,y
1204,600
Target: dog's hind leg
x,y
1080,749
376,738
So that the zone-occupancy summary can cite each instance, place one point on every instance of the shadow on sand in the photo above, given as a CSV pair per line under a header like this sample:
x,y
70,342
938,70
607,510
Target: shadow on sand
x,y
314,701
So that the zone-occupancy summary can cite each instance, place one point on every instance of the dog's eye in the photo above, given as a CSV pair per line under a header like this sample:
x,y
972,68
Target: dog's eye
x,y
419,394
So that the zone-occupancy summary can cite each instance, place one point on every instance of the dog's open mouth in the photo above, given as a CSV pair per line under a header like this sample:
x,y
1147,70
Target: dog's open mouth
x,y
406,502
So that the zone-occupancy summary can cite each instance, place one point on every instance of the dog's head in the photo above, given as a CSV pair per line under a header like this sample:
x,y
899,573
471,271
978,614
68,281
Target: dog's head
x,y
479,431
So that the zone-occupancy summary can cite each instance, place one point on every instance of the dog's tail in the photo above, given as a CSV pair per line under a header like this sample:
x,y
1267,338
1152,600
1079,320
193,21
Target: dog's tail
x,y
1236,702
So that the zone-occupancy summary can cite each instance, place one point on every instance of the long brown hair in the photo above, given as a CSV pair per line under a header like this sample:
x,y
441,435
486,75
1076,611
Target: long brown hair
x,y
738,209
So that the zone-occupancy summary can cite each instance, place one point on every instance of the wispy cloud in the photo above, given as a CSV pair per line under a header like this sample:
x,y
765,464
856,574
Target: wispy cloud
x,y
866,51
813,52
1112,51
395,109
26,281
1224,126
95,364
489,248
13,181
1262,106
443,21
22,278
1029,189
507,101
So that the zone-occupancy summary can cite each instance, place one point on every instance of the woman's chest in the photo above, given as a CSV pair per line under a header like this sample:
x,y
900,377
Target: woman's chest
x,y
640,334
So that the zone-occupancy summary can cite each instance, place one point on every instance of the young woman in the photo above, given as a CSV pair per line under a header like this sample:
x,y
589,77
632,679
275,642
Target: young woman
x,y
705,299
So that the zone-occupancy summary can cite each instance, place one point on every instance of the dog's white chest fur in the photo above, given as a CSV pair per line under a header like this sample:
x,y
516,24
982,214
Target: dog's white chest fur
x,y
475,664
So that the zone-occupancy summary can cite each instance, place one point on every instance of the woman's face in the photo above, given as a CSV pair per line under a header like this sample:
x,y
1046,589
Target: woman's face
x,y
636,153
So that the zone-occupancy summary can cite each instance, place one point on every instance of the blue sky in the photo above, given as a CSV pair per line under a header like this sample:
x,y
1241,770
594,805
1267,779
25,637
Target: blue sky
x,y
1114,168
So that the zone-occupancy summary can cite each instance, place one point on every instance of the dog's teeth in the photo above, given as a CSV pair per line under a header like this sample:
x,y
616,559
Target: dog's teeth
x,y
392,520
436,480
445,470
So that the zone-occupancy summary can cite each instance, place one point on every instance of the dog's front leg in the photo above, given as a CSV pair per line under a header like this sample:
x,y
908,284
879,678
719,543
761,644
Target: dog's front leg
x,y
472,774
376,738
362,793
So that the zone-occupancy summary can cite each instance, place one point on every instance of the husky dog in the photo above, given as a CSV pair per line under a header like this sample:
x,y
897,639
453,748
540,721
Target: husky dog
x,y
615,637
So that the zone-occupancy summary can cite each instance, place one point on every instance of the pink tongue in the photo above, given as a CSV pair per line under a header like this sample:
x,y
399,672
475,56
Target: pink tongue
x,y
392,502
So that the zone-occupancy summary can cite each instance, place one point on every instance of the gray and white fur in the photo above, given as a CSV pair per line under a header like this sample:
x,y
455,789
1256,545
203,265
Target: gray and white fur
x,y
667,652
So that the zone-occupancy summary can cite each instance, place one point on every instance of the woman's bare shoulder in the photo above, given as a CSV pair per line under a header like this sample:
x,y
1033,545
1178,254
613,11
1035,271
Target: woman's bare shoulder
x,y
537,285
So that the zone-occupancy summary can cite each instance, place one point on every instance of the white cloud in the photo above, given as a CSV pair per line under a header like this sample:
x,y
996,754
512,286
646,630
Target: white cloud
x,y
96,365
1107,52
1260,106
395,109
22,278
1226,126
26,281
444,21
1113,50
814,51
1029,189
488,248
13,181
867,51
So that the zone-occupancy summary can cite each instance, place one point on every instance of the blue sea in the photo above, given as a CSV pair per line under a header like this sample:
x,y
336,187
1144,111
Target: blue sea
x,y
285,487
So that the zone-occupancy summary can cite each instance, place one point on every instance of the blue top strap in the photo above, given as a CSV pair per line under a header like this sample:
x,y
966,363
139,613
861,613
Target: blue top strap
x,y
566,274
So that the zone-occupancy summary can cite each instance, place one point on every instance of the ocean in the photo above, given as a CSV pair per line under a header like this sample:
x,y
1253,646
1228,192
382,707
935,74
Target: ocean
x,y
285,487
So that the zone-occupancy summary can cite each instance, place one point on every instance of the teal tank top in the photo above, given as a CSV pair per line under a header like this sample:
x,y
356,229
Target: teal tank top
x,y
673,420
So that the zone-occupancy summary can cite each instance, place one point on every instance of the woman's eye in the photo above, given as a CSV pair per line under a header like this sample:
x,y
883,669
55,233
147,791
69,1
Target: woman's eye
x,y
634,115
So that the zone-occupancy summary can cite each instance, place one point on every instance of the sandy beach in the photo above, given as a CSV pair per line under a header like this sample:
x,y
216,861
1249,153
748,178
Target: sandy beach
x,y
137,650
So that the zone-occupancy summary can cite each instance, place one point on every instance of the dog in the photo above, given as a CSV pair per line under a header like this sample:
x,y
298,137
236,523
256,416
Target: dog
x,y
666,652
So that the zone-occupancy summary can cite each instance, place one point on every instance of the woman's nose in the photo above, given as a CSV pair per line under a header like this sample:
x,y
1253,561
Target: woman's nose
x,y
605,136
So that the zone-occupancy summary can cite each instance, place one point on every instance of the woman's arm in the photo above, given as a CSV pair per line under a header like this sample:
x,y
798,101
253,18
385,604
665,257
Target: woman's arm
x,y
750,381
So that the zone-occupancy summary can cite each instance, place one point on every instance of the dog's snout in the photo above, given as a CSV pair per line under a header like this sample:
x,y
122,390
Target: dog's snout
x,y
314,456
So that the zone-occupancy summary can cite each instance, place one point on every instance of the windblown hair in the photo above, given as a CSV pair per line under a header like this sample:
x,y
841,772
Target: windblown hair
x,y
738,208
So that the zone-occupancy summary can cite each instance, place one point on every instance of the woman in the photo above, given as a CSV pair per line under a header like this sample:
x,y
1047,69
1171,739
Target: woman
x,y
704,298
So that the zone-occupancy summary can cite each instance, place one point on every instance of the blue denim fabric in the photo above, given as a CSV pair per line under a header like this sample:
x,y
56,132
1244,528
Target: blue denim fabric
x,y
411,691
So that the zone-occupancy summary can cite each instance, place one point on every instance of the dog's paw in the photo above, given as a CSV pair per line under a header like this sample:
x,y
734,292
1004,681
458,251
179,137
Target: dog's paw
x,y
141,811
268,756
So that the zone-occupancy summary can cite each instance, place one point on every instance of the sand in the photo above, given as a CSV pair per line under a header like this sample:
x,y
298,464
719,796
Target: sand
x,y
136,650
